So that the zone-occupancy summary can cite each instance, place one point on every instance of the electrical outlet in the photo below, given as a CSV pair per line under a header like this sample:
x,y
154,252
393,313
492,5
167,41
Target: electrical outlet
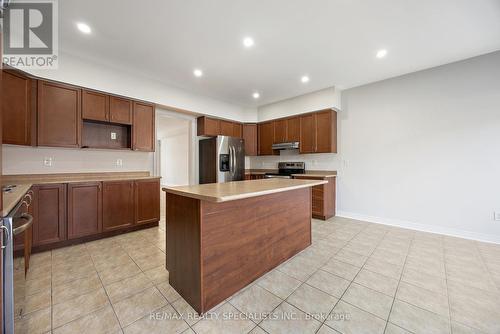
x,y
113,135
47,161
496,215
119,162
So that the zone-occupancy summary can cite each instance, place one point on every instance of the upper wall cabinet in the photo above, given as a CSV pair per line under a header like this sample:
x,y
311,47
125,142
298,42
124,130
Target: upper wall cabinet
x,y
59,114
293,129
318,132
266,138
95,106
120,110
143,129
212,127
280,131
250,138
18,109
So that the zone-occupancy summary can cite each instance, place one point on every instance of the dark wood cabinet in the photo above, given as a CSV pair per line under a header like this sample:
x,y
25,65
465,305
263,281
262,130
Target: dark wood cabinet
x,y
212,127
318,132
280,131
250,138
143,128
117,205
147,201
326,131
59,114
238,130
18,109
95,106
226,128
293,129
84,209
307,134
207,126
120,110
323,197
49,214
266,137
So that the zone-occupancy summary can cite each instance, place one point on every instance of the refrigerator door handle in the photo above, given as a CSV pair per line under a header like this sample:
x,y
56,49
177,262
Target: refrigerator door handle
x,y
231,166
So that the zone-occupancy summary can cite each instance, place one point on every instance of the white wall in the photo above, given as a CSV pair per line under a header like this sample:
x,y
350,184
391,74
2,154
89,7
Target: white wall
x,y
29,160
423,150
175,158
120,81
321,99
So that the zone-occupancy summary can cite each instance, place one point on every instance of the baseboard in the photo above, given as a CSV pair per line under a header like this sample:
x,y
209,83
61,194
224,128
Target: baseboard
x,y
422,227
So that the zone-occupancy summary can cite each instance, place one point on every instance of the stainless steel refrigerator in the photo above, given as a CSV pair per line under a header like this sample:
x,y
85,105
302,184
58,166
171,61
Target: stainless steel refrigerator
x,y
222,159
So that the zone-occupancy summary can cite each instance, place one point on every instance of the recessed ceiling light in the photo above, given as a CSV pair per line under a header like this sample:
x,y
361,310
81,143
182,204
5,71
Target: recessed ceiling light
x,y
381,53
256,95
248,42
304,79
197,73
83,27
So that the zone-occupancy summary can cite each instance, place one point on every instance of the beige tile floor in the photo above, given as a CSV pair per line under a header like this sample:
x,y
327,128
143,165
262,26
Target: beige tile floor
x,y
357,277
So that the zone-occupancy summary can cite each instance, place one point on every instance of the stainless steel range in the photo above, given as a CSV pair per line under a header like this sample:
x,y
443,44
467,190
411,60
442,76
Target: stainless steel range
x,y
287,169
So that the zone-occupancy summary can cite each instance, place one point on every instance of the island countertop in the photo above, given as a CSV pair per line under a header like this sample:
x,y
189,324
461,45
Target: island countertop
x,y
230,191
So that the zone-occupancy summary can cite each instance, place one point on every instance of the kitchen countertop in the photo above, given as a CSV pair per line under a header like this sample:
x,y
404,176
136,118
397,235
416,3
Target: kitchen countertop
x,y
75,177
13,197
24,182
230,191
312,173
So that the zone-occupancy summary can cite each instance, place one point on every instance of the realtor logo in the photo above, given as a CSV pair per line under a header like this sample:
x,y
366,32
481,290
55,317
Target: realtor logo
x,y
30,34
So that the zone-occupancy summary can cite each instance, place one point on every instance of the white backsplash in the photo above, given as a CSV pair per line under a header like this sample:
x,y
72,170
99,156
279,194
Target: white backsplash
x,y
320,161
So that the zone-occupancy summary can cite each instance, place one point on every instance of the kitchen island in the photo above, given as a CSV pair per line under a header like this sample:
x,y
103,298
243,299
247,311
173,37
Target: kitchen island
x,y
223,236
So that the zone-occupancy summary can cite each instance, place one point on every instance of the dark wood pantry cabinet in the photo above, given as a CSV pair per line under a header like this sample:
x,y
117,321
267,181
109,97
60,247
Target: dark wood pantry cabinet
x,y
84,209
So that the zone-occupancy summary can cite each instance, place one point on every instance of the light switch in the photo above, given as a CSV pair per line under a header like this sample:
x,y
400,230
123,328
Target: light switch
x,y
113,135
119,162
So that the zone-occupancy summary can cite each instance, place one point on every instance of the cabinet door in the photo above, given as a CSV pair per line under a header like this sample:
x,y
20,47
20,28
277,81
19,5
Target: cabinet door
x,y
226,128
293,129
326,131
237,130
250,138
117,205
266,136
84,209
18,109
279,131
147,199
120,110
95,106
49,214
307,134
143,129
207,126
59,115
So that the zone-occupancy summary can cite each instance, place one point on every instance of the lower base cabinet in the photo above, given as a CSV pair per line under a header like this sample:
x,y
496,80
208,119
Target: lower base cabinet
x,y
63,212
323,197
49,214
84,209
147,201
117,205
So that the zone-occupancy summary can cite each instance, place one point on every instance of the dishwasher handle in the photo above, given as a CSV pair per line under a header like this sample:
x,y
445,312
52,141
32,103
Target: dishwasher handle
x,y
21,223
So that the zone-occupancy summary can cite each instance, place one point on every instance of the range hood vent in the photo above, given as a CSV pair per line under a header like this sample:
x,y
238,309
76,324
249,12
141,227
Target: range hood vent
x,y
286,146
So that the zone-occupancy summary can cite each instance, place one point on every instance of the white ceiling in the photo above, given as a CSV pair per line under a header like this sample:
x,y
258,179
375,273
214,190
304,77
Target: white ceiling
x,y
332,41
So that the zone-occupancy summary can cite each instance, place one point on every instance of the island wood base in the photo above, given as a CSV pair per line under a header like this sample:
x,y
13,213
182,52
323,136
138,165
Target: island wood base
x,y
216,249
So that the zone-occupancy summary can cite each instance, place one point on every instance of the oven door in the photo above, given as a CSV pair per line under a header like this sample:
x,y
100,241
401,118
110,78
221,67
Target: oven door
x,y
270,176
